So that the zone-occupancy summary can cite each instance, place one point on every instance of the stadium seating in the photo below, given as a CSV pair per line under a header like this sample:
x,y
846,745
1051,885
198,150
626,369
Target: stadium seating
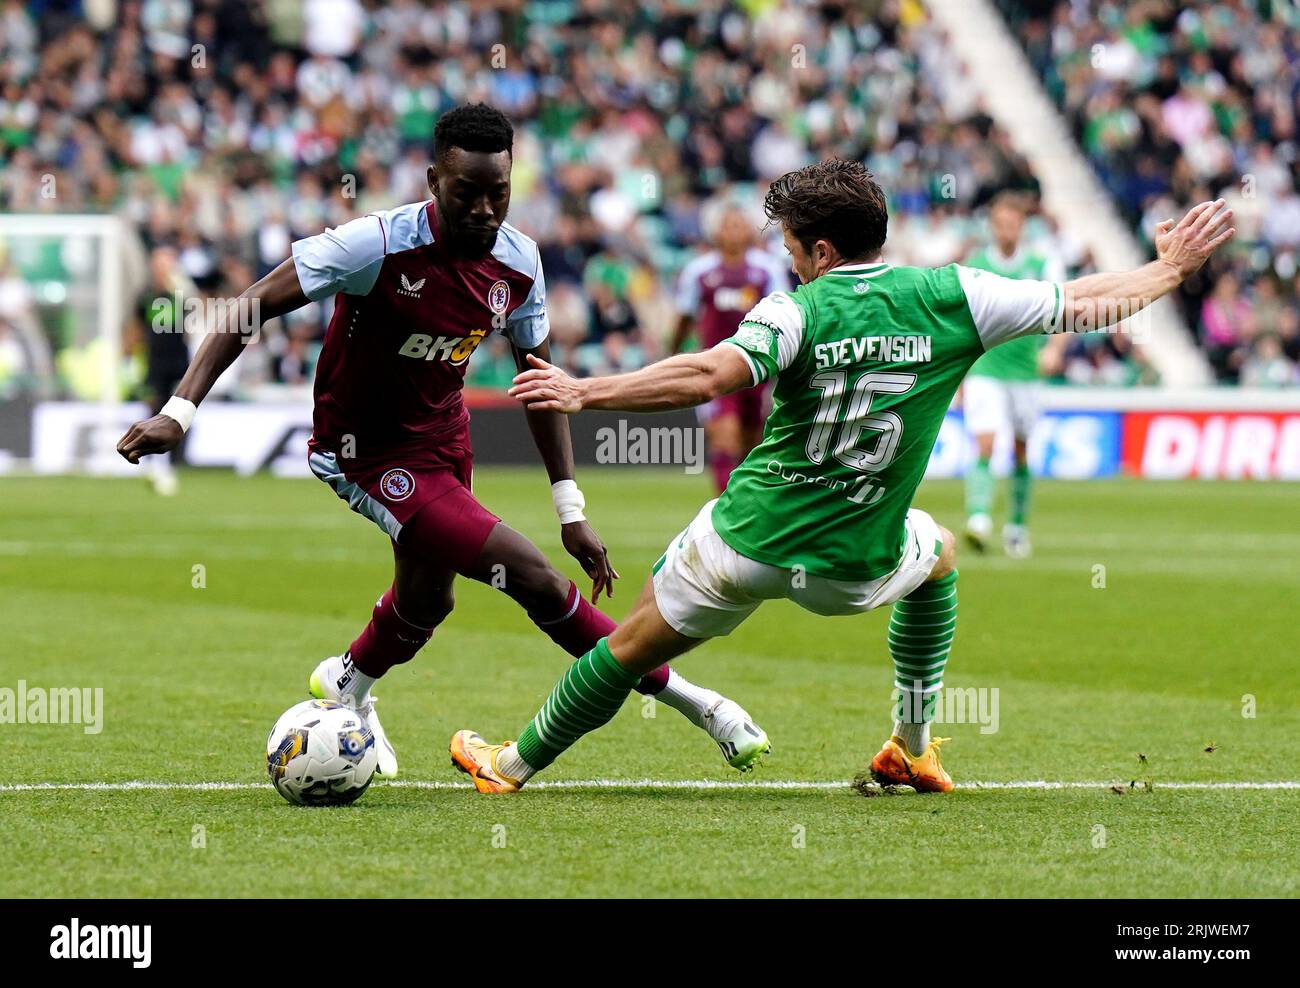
x,y
1180,102
226,130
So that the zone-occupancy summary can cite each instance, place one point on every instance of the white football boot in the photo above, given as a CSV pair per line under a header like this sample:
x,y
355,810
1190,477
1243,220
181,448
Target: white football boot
x,y
743,742
162,476
1015,539
979,531
328,682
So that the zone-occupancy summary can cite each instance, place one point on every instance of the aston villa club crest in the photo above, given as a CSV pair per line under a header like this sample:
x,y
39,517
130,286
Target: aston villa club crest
x,y
397,485
498,297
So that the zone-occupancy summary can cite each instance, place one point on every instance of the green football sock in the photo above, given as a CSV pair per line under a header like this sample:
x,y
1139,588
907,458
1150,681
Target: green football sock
x,y
979,488
1020,482
921,630
587,696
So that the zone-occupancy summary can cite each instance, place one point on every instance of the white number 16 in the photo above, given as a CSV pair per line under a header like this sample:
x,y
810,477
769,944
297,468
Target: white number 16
x,y
857,419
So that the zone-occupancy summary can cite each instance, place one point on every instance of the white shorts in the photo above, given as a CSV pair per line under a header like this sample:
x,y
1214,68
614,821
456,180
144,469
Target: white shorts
x,y
992,406
705,588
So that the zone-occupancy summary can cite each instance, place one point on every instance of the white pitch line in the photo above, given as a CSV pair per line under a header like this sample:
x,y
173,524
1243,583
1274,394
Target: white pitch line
x,y
762,785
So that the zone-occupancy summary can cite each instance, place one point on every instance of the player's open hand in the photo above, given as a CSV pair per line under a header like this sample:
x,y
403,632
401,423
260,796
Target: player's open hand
x,y
1050,363
547,388
160,434
583,544
1197,235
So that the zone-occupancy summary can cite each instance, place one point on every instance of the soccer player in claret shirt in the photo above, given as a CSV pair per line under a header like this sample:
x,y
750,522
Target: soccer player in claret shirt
x,y
714,292
867,357
416,289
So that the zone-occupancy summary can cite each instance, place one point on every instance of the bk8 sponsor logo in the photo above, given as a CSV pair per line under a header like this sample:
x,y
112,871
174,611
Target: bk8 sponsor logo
x,y
453,349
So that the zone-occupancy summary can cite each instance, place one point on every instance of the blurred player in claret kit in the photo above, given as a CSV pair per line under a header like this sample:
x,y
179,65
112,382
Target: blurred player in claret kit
x,y
714,292
416,289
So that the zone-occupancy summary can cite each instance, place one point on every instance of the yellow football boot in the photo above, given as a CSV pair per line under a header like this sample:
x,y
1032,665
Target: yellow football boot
x,y
895,765
478,759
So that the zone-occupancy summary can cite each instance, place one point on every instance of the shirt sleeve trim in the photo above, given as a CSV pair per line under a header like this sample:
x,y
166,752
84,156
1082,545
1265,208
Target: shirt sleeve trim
x,y
756,370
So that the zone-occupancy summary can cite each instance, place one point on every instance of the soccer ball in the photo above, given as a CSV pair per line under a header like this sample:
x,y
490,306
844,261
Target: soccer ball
x,y
320,753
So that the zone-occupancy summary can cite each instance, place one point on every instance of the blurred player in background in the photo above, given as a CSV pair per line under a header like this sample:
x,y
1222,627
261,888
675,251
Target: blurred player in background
x,y
1000,394
416,290
167,355
714,291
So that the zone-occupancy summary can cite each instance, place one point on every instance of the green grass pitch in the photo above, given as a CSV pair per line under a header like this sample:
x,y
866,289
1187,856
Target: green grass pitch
x,y
1198,610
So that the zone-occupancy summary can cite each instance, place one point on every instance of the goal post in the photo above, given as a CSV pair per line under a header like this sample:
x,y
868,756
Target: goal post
x,y
66,285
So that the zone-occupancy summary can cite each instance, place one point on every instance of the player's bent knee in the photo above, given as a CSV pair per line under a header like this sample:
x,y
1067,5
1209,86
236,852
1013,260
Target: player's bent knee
x,y
436,609
512,564
535,584
947,561
425,608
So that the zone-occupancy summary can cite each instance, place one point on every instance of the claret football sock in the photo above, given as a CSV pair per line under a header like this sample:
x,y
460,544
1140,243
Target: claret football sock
x,y
654,683
388,640
691,701
921,630
1020,484
587,696
580,624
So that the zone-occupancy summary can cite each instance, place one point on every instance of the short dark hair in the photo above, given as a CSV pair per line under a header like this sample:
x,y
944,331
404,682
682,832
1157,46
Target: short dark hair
x,y
473,127
1012,198
833,200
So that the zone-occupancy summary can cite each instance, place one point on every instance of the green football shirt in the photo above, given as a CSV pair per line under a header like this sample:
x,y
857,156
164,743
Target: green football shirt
x,y
1018,360
867,359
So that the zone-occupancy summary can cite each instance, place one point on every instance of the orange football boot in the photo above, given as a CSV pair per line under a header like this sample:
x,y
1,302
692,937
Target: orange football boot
x,y
894,765
478,759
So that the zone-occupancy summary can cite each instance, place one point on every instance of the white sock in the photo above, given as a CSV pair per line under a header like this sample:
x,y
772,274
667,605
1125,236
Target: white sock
x,y
358,687
691,701
512,766
915,737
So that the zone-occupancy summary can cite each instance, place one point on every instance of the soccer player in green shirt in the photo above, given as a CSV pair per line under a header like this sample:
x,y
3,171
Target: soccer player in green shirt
x,y
1000,394
866,357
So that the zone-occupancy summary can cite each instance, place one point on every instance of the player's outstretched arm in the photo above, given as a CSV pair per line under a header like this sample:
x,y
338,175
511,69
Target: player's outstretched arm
x,y
683,381
279,292
1098,300
550,430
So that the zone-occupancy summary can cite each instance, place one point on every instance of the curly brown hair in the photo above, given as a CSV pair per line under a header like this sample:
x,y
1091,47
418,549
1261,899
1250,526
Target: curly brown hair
x,y
833,200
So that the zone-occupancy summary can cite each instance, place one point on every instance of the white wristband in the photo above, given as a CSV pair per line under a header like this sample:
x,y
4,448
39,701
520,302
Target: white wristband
x,y
180,410
569,501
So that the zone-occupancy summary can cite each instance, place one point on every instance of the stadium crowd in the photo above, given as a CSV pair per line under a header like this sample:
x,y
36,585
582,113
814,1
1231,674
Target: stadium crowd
x,y
223,130
1179,102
